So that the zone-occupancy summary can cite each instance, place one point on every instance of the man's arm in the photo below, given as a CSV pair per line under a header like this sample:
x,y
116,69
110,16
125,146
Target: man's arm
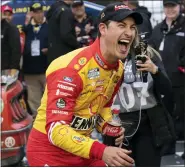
x,y
63,87
66,29
15,47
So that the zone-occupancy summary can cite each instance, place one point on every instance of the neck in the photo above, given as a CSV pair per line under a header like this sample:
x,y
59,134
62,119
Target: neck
x,y
170,20
107,56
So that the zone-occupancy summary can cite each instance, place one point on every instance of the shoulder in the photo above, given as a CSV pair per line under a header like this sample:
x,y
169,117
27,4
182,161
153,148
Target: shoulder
x,y
74,60
158,26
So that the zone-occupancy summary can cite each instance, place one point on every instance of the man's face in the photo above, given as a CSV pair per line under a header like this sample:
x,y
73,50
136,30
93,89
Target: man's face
x,y
171,11
38,16
8,16
78,10
118,37
70,2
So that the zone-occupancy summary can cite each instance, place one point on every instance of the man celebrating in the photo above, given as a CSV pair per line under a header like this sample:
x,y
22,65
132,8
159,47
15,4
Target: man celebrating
x,y
78,96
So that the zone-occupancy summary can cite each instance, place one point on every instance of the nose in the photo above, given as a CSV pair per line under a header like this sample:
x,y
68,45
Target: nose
x,y
128,32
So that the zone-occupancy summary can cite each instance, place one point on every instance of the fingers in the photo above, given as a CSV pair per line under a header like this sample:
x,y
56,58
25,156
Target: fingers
x,y
121,162
122,131
104,131
126,151
143,65
127,158
143,69
119,140
115,163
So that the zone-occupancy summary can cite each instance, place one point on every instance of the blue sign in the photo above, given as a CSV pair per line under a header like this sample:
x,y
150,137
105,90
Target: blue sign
x,y
21,7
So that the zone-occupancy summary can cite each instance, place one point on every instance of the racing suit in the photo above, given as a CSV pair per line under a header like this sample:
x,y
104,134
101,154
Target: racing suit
x,y
79,92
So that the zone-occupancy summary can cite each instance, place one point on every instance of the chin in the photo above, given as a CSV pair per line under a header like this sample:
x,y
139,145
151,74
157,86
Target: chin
x,y
122,56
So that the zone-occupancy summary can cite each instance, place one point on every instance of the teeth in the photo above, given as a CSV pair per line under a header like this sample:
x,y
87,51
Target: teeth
x,y
124,41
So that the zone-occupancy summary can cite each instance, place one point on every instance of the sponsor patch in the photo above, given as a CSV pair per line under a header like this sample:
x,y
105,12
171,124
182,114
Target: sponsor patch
x,y
116,79
76,66
61,86
63,131
100,82
80,123
94,73
58,92
118,7
99,88
67,79
82,61
59,112
61,103
9,142
79,139
99,60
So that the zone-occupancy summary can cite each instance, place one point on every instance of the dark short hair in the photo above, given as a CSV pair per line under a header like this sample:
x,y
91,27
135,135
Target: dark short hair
x,y
107,24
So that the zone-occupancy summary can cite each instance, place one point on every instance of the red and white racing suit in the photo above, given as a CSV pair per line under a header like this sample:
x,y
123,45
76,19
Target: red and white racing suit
x,y
79,91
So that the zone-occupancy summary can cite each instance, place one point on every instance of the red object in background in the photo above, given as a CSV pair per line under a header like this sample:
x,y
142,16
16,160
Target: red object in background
x,y
22,38
181,69
15,124
5,8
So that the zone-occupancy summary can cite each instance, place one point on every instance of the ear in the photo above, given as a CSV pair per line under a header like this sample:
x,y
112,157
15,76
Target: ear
x,y
102,28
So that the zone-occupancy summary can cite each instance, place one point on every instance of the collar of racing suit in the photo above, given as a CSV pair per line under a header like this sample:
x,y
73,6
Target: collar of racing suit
x,y
100,59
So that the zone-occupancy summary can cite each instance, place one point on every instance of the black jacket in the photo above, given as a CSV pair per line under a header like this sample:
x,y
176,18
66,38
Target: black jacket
x,y
173,53
159,117
35,64
10,46
62,37
146,26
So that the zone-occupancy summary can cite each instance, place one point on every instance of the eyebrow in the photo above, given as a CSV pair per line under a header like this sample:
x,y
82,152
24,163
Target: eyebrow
x,y
125,23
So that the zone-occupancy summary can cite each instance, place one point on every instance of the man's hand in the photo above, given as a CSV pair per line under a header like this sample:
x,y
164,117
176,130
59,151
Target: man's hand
x,y
44,50
114,156
88,28
77,30
119,140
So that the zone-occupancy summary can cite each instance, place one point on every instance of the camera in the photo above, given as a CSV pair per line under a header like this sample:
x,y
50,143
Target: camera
x,y
141,52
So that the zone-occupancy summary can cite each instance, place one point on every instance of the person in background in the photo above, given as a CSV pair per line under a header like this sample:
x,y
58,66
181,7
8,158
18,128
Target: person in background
x,y
10,45
86,30
148,125
146,26
62,36
35,56
7,12
29,16
169,39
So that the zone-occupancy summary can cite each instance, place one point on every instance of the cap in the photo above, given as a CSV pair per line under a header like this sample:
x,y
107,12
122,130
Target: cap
x,y
174,2
119,11
35,7
77,3
5,8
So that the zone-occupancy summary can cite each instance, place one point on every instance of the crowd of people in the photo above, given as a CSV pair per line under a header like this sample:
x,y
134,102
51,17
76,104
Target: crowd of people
x,y
77,67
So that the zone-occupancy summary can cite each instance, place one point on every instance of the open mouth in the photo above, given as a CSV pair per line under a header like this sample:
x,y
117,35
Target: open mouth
x,y
123,45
